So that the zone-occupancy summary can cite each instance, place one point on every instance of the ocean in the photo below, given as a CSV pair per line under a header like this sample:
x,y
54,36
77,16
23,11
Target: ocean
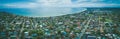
x,y
43,11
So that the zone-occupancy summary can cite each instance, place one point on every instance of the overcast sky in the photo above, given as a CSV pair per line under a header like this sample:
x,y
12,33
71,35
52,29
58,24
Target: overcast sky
x,y
58,3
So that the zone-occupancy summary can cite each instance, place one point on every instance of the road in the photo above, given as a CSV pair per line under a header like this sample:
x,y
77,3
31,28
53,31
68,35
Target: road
x,y
85,27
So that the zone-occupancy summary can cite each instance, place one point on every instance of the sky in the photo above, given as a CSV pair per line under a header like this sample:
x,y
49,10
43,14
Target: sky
x,y
58,3
52,7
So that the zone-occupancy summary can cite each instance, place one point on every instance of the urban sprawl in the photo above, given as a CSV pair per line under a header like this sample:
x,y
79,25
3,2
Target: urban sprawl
x,y
93,23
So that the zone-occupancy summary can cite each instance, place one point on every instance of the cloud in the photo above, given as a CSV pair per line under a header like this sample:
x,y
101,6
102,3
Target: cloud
x,y
97,0
20,5
50,2
40,3
61,3
98,5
